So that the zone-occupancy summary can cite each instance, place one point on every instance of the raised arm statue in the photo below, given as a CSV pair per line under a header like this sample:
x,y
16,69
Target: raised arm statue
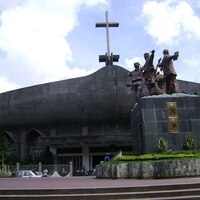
x,y
150,74
169,72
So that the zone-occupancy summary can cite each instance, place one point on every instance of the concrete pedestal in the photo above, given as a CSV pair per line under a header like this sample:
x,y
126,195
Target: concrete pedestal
x,y
152,118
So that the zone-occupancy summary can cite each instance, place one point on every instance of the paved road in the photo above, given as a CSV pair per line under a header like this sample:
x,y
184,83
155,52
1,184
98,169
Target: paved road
x,y
85,182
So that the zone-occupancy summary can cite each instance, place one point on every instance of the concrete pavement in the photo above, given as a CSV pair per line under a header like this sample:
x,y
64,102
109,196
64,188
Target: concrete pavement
x,y
87,182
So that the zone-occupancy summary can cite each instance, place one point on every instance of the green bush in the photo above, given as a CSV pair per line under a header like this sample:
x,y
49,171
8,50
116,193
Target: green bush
x,y
158,156
162,145
5,171
190,143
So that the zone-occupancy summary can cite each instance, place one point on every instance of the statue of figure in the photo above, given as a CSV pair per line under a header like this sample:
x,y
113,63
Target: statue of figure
x,y
137,80
149,74
160,78
169,72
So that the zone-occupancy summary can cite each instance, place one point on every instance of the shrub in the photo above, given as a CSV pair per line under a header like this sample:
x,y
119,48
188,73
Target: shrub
x,y
190,143
5,171
162,145
158,156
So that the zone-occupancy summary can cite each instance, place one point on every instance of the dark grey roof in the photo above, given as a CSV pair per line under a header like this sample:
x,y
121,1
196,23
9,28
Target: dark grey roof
x,y
100,96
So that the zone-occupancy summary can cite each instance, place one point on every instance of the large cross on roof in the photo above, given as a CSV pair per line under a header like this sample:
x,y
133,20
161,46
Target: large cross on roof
x,y
108,58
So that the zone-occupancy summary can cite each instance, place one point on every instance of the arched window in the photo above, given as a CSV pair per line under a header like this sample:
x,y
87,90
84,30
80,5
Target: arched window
x,y
34,149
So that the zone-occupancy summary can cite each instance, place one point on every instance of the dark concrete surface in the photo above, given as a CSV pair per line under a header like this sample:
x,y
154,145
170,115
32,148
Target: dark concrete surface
x,y
152,113
87,182
102,95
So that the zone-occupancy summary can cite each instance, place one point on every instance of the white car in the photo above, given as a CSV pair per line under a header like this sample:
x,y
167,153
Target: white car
x,y
27,173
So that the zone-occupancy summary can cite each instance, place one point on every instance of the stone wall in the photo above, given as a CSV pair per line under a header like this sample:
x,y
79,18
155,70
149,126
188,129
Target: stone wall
x,y
150,169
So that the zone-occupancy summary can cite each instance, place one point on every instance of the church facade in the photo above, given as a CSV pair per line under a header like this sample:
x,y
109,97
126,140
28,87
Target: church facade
x,y
78,120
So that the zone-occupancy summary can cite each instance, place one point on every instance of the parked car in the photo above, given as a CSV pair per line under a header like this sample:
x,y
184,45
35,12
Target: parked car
x,y
27,173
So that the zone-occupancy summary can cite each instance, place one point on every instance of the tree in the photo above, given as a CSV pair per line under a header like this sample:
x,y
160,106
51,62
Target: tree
x,y
4,148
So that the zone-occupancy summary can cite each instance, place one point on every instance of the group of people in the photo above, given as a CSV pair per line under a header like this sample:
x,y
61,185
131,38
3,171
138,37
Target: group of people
x,y
157,81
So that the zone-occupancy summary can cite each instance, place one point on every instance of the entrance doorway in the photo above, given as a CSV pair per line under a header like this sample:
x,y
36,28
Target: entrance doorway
x,y
76,160
96,160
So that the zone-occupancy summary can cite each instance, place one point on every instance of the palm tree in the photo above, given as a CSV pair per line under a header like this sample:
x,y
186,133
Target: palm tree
x,y
4,147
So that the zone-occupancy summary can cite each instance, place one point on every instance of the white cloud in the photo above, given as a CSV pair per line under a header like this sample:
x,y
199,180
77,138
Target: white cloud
x,y
34,39
6,85
190,69
129,62
175,25
170,19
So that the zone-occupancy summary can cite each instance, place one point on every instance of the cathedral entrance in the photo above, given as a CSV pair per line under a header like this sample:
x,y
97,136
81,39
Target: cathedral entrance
x,y
76,160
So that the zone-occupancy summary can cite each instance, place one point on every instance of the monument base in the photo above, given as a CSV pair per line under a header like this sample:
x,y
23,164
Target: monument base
x,y
169,116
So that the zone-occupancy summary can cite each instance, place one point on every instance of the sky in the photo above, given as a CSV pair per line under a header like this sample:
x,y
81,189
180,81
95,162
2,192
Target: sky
x,y
43,41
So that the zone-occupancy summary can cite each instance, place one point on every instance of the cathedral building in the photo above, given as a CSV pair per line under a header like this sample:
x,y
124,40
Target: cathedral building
x,y
78,120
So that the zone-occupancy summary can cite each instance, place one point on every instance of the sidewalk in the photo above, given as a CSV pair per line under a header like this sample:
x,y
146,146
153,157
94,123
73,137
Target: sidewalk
x,y
86,182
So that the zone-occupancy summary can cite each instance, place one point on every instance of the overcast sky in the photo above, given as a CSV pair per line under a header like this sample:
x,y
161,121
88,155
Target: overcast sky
x,y
48,40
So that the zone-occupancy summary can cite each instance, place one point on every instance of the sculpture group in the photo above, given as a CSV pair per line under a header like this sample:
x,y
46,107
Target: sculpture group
x,y
159,80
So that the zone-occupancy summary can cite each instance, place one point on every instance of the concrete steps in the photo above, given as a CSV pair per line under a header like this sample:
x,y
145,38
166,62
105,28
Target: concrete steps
x,y
161,192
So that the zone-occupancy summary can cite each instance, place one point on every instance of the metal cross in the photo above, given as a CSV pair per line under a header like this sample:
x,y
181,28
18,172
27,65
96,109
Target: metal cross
x,y
107,25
